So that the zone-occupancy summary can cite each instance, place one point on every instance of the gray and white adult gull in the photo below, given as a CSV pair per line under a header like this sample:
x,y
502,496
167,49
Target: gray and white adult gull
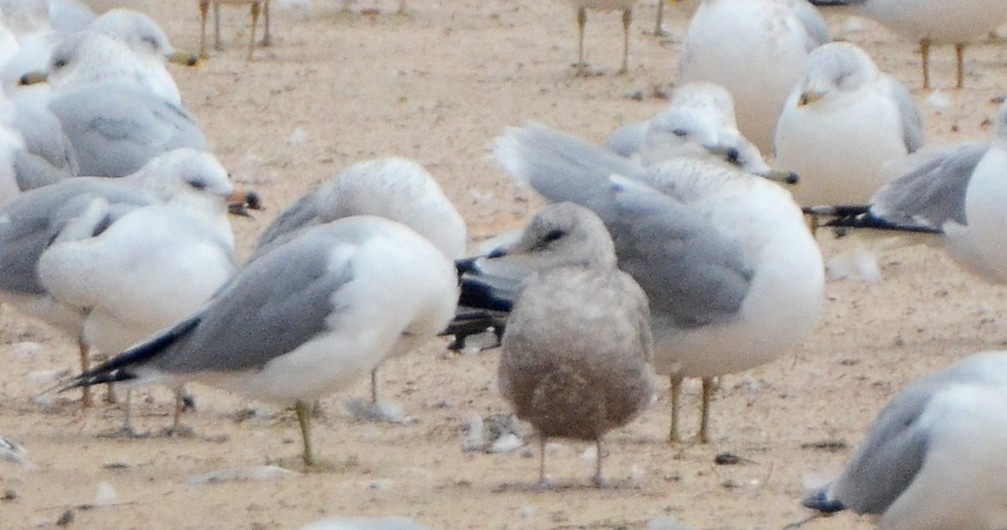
x,y
757,49
952,198
309,317
394,188
931,22
935,457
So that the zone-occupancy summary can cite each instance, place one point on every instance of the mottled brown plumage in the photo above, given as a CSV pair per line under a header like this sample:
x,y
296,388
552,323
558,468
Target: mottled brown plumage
x,y
576,353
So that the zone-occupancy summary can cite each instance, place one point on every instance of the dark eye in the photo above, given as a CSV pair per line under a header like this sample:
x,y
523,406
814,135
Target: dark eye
x,y
553,235
680,132
151,41
59,63
198,184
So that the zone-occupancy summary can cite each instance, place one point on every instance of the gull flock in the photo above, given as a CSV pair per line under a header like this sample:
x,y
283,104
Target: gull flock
x,y
679,247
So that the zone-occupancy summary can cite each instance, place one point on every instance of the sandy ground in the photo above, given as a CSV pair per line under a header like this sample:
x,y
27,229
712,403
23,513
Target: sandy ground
x,y
438,86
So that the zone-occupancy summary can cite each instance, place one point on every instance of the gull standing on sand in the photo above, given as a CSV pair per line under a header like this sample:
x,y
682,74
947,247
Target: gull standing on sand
x,y
626,6
842,123
394,188
733,275
956,194
931,22
577,349
756,49
936,456
310,316
83,296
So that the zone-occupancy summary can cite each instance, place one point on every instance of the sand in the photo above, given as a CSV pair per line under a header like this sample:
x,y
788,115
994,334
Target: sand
x,y
437,86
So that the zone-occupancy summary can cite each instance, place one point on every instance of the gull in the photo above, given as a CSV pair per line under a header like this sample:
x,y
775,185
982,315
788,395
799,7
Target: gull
x,y
394,188
626,6
577,349
936,456
310,316
699,122
33,221
255,6
932,22
757,50
134,273
733,275
955,195
842,123
149,45
109,107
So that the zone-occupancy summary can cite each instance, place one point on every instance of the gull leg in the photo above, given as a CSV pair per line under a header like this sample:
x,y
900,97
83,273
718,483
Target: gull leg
x,y
659,26
925,55
256,8
267,40
402,7
204,7
960,56
704,422
598,480
304,418
675,392
127,416
627,19
374,386
581,66
216,27
85,364
542,484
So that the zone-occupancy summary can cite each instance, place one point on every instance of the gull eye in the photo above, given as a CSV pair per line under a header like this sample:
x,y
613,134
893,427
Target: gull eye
x,y
553,235
681,133
198,184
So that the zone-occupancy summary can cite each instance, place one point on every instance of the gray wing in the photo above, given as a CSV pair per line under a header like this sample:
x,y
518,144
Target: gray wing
x,y
933,193
894,451
30,222
48,156
302,213
627,140
687,268
275,304
559,166
912,122
813,23
116,128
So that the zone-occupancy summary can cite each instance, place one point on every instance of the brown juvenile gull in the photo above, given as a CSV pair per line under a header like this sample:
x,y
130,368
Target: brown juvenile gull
x,y
576,353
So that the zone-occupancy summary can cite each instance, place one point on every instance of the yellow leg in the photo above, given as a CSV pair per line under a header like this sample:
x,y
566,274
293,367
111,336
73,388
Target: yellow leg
x,y
704,422
598,480
581,66
675,393
304,418
659,25
216,27
204,7
627,19
267,40
925,55
85,364
960,56
256,8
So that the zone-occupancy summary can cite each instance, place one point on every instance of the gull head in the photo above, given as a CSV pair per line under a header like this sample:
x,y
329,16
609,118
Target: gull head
x,y
188,177
141,34
833,70
681,131
563,234
85,58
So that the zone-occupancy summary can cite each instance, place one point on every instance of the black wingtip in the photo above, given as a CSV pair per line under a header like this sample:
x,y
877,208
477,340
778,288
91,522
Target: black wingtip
x,y
97,378
821,502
